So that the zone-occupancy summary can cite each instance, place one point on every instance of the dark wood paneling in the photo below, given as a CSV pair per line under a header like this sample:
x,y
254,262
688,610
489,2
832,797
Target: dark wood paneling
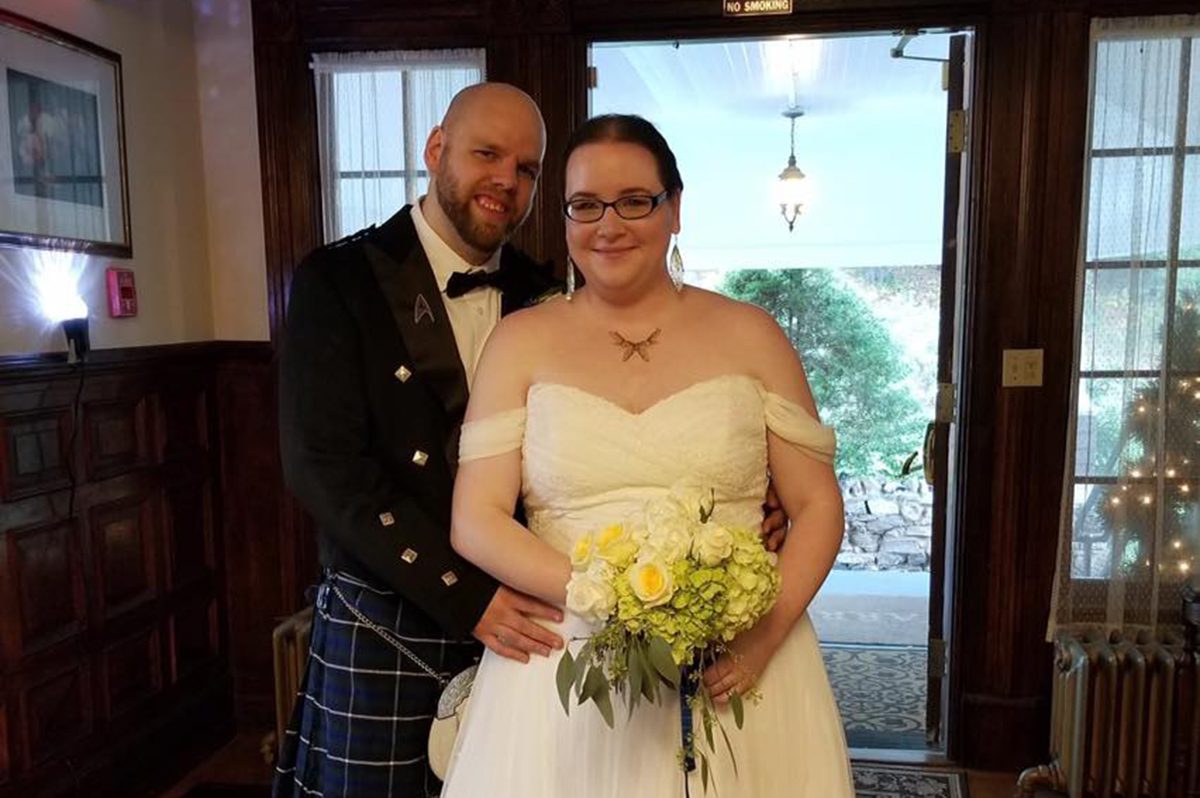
x,y
187,513
194,639
5,768
183,420
112,588
270,552
116,437
35,447
56,712
125,553
132,673
46,569
1015,439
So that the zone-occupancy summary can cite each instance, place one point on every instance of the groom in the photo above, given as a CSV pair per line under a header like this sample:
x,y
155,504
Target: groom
x,y
383,332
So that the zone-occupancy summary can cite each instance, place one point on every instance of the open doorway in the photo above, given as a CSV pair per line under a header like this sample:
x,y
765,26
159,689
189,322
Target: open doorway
x,y
859,261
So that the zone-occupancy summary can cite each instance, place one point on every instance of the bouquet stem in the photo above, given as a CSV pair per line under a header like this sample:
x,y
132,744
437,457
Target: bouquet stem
x,y
687,689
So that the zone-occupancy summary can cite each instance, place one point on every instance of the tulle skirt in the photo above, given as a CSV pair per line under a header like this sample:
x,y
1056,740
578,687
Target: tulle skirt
x,y
518,742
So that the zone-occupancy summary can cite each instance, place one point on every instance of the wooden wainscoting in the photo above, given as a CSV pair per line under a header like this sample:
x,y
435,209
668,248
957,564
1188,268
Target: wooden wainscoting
x,y
118,523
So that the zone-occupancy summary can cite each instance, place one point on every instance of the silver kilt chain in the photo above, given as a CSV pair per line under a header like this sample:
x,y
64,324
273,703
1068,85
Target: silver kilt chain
x,y
389,637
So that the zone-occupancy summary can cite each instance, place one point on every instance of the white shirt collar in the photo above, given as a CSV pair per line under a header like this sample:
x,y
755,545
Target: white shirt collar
x,y
444,260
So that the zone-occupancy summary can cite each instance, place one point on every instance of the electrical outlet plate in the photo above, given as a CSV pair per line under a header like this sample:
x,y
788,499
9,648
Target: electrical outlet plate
x,y
1022,368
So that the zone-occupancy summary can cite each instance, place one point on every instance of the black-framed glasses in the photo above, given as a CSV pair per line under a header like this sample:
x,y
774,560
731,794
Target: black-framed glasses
x,y
631,206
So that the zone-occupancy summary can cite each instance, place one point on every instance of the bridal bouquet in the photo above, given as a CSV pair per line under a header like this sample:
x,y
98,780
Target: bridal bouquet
x,y
668,593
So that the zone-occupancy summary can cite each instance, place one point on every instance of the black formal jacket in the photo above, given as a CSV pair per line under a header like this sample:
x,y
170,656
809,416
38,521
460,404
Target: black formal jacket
x,y
371,398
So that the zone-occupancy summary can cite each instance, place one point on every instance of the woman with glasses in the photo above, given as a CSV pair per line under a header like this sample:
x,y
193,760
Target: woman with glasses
x,y
587,407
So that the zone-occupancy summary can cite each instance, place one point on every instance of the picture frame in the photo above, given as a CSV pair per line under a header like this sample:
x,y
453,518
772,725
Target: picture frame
x,y
63,176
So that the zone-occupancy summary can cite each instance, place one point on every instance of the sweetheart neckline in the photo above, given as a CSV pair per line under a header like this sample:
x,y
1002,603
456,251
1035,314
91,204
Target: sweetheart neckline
x,y
542,384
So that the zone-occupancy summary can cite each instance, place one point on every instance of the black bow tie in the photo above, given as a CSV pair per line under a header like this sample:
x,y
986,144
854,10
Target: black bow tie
x,y
463,282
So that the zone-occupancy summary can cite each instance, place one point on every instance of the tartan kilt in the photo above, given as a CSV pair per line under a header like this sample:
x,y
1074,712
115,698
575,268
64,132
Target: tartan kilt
x,y
360,725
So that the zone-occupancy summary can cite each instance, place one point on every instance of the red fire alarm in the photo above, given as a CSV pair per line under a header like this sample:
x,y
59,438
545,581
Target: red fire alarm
x,y
122,294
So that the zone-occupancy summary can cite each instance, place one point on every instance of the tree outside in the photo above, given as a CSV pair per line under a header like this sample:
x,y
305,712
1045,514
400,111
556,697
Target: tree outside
x,y
856,370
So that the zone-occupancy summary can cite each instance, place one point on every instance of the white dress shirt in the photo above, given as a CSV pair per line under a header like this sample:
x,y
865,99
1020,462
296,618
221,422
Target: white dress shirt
x,y
473,315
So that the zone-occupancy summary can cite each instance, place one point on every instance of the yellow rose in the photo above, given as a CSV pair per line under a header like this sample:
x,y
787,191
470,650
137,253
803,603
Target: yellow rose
x,y
614,544
652,583
582,551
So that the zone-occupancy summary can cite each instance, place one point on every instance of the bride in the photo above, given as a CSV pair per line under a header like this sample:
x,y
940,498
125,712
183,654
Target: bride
x,y
587,407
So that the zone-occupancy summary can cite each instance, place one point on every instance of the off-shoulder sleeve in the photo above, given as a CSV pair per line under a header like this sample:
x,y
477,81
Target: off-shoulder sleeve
x,y
498,433
795,425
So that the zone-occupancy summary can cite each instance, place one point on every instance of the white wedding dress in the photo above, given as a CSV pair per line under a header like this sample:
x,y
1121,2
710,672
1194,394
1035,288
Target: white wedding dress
x,y
587,463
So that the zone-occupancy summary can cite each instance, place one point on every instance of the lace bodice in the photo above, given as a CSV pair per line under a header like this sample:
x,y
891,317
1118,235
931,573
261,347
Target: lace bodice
x,y
587,462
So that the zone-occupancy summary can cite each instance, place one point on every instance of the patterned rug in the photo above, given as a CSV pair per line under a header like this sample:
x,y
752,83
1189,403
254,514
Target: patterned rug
x,y
881,694
893,781
870,781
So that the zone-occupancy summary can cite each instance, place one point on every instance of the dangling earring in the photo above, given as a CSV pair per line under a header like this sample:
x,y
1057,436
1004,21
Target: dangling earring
x,y
675,266
570,278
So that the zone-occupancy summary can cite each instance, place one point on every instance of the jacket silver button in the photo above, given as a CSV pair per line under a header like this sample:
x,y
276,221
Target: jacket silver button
x,y
409,556
403,374
420,458
387,519
450,578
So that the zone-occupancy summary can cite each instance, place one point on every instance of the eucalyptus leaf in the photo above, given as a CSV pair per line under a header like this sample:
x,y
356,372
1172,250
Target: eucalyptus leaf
x,y
593,683
660,658
581,666
563,677
708,735
633,660
603,700
739,709
650,679
704,771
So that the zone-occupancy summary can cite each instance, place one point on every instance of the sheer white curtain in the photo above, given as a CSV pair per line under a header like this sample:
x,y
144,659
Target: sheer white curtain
x,y
1130,535
374,111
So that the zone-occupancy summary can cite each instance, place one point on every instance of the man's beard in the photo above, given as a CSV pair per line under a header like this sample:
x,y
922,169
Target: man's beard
x,y
476,234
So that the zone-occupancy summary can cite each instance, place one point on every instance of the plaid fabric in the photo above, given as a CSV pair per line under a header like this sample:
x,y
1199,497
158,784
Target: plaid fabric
x,y
360,726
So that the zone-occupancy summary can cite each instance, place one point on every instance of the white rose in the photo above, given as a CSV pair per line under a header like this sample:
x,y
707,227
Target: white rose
x,y
693,501
590,596
652,582
668,532
713,544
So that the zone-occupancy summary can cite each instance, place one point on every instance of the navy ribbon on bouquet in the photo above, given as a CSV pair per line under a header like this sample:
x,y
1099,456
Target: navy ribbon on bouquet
x,y
687,689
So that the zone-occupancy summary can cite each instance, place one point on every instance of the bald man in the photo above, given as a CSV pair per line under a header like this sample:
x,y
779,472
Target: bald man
x,y
383,332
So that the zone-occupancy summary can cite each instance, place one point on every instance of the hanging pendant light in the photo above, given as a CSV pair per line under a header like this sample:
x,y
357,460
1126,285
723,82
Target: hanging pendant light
x,y
791,188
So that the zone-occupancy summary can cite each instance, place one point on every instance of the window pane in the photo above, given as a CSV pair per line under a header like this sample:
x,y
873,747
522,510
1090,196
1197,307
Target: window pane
x,y
1091,548
369,121
1189,227
431,90
1129,208
1117,430
367,202
1193,136
1136,91
1120,334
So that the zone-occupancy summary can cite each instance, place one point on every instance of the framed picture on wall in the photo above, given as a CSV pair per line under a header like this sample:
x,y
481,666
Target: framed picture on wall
x,y
63,182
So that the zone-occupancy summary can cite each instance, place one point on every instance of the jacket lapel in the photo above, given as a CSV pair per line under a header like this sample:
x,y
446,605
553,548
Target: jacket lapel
x,y
408,284
526,282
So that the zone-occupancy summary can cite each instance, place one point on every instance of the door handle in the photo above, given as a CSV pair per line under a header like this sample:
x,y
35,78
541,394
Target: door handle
x,y
927,451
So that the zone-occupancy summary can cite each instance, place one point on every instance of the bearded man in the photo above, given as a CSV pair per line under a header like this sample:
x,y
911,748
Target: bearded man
x,y
384,329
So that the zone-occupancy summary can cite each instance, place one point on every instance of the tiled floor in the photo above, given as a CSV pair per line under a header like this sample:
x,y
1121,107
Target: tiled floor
x,y
241,762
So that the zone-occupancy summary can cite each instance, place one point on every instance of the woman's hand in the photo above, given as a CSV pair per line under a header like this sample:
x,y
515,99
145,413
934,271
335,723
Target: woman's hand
x,y
737,670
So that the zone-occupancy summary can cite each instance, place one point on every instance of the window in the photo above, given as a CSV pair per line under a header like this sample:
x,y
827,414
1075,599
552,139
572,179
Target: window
x,y
374,112
1131,533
